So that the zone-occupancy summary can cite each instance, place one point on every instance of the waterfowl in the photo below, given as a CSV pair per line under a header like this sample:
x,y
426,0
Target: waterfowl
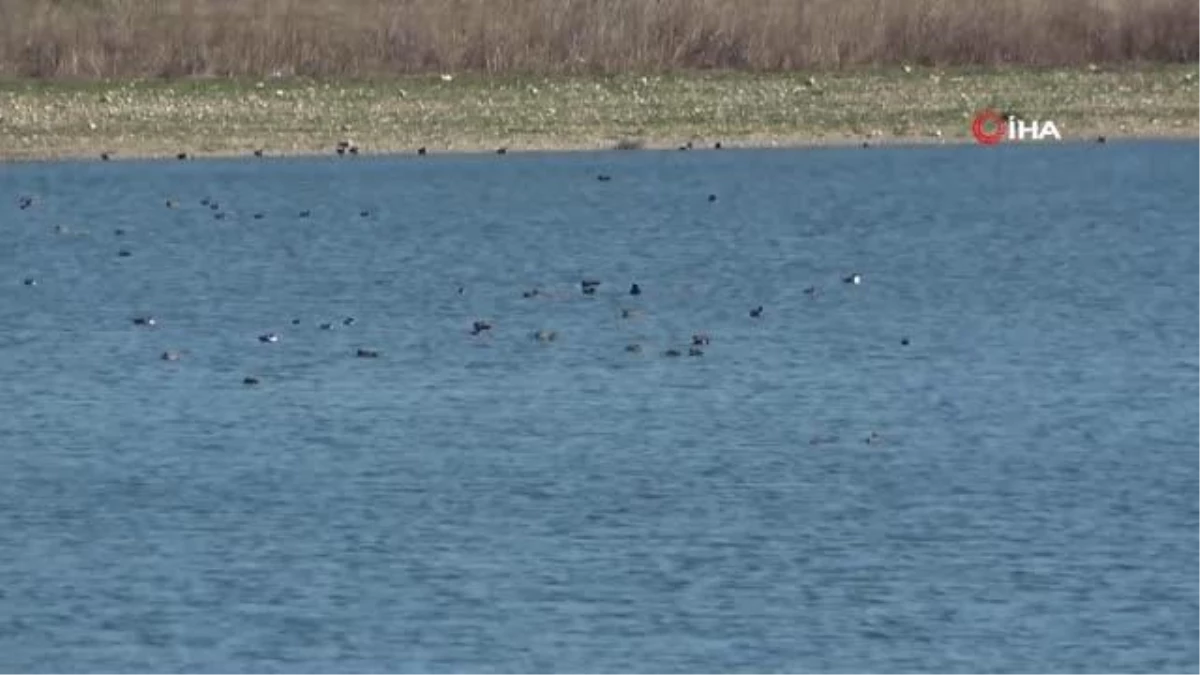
x,y
672,353
700,339
259,216
353,149
873,438
604,178
29,281
348,321
25,202
326,326
532,293
480,326
461,290
904,341
635,290
634,348
171,203
855,279
182,155
589,286
717,145
144,321
123,253
1101,139
421,151
367,353
119,232
268,338
756,312
258,152
502,151
545,335
811,290
206,201
712,198
695,351
104,157
171,356
340,150
295,322
214,205
250,380
218,216
305,213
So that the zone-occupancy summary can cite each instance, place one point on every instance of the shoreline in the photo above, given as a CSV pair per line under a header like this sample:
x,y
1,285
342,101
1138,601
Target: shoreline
x,y
49,120
795,144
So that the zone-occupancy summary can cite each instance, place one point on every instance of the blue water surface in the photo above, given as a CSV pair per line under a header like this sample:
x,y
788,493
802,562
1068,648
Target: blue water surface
x,y
1014,489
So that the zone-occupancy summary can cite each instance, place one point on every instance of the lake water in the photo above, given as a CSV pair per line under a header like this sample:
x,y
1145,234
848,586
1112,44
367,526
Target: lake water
x,y
1014,489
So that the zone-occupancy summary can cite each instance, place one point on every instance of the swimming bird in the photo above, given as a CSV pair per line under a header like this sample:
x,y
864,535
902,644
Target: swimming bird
x,y
589,286
29,281
855,279
259,216
119,232
348,321
171,356
250,380
182,155
532,293
258,152
717,145
756,312
811,291
545,335
873,438
364,213
214,205
25,202
421,151
1101,139
206,201
268,337
712,198
104,157
171,203
672,353
700,339
633,348
144,321
501,151
635,290
305,213
326,326
904,341
367,353
218,216
480,326
353,149
295,322
695,351
604,178
123,253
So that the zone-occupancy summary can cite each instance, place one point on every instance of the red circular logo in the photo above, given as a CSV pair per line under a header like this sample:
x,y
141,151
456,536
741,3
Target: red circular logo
x,y
989,128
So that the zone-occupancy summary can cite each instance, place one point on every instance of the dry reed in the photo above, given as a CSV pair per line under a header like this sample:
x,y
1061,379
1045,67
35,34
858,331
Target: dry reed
x,y
123,38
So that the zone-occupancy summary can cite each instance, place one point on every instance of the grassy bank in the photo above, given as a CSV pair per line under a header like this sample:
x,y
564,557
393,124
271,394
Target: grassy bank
x,y
41,119
358,38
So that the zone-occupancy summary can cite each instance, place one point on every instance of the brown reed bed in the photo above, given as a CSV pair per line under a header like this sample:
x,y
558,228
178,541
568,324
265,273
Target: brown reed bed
x,y
216,116
357,38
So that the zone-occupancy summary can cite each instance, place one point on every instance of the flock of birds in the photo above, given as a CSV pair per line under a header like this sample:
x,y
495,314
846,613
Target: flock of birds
x,y
478,327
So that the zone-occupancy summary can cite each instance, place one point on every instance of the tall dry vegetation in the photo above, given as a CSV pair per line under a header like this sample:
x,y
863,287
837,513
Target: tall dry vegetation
x,y
95,38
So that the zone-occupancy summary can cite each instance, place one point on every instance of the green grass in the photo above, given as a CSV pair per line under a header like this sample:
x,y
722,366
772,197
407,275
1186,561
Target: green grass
x,y
44,119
